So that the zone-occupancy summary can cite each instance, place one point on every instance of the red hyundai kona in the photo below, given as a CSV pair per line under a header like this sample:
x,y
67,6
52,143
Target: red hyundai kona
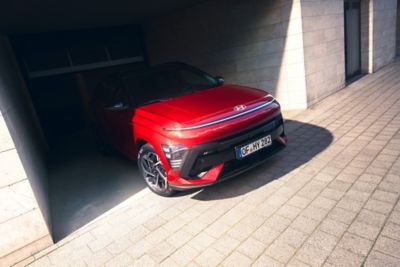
x,y
185,128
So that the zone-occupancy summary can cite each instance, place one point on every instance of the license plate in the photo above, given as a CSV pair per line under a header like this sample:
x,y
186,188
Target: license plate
x,y
248,149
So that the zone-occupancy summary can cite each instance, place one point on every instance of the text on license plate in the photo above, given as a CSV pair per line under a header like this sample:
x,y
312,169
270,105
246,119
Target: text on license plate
x,y
248,149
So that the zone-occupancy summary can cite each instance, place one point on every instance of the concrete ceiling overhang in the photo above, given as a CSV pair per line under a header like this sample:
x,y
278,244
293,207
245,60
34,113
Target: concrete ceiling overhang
x,y
28,16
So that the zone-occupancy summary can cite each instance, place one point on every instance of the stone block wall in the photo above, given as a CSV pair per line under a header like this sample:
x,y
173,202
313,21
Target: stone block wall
x,y
323,34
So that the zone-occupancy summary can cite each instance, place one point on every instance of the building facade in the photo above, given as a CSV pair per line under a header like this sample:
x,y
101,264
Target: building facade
x,y
300,50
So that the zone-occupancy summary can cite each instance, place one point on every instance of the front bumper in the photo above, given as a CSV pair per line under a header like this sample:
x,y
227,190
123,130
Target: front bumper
x,y
219,160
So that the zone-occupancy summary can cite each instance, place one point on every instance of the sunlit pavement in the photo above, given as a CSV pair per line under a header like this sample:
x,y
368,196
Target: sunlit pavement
x,y
330,198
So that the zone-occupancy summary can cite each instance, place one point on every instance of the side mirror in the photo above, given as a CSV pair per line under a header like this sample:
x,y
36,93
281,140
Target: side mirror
x,y
220,80
117,107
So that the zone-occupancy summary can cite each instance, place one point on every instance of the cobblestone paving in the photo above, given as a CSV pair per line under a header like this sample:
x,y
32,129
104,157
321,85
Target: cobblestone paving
x,y
330,199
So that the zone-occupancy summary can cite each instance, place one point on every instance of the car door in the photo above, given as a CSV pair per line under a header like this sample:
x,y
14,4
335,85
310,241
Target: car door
x,y
115,116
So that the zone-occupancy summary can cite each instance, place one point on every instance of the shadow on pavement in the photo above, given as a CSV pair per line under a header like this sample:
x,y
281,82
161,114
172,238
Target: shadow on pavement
x,y
84,184
305,142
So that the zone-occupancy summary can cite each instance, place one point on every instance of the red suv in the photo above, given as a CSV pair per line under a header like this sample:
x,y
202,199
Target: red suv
x,y
185,127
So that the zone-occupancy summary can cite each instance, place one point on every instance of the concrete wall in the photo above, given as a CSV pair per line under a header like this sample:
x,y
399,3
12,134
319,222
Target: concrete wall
x,y
23,186
256,43
384,32
323,29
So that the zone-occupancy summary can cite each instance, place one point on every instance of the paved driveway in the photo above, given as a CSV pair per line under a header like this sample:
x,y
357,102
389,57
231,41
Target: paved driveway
x,y
331,198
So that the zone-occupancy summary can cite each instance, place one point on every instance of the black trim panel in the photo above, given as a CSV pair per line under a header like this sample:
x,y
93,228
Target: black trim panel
x,y
228,173
203,157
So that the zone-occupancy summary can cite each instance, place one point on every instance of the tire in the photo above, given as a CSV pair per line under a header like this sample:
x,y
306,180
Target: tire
x,y
153,171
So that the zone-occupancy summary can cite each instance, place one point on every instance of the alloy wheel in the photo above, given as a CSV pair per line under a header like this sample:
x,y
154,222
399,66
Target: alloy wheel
x,y
154,171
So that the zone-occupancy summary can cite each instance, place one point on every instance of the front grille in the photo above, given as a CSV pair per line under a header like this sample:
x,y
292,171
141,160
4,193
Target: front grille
x,y
204,157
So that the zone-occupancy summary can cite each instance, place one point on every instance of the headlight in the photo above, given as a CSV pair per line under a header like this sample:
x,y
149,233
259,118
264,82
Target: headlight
x,y
175,155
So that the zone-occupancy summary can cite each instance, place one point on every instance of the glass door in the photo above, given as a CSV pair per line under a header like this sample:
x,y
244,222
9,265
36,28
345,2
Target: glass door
x,y
352,38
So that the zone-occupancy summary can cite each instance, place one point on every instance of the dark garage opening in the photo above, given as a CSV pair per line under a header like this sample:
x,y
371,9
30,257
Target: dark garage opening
x,y
61,71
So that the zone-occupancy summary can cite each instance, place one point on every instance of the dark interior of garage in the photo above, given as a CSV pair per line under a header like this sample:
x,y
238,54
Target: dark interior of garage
x,y
63,68
61,71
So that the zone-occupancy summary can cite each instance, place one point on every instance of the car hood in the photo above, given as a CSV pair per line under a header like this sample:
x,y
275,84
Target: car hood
x,y
190,117
205,106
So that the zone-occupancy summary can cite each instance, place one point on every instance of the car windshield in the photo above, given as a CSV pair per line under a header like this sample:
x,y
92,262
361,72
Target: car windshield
x,y
164,82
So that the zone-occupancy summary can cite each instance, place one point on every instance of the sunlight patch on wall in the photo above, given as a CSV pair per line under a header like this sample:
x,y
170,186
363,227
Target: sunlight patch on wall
x,y
291,84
